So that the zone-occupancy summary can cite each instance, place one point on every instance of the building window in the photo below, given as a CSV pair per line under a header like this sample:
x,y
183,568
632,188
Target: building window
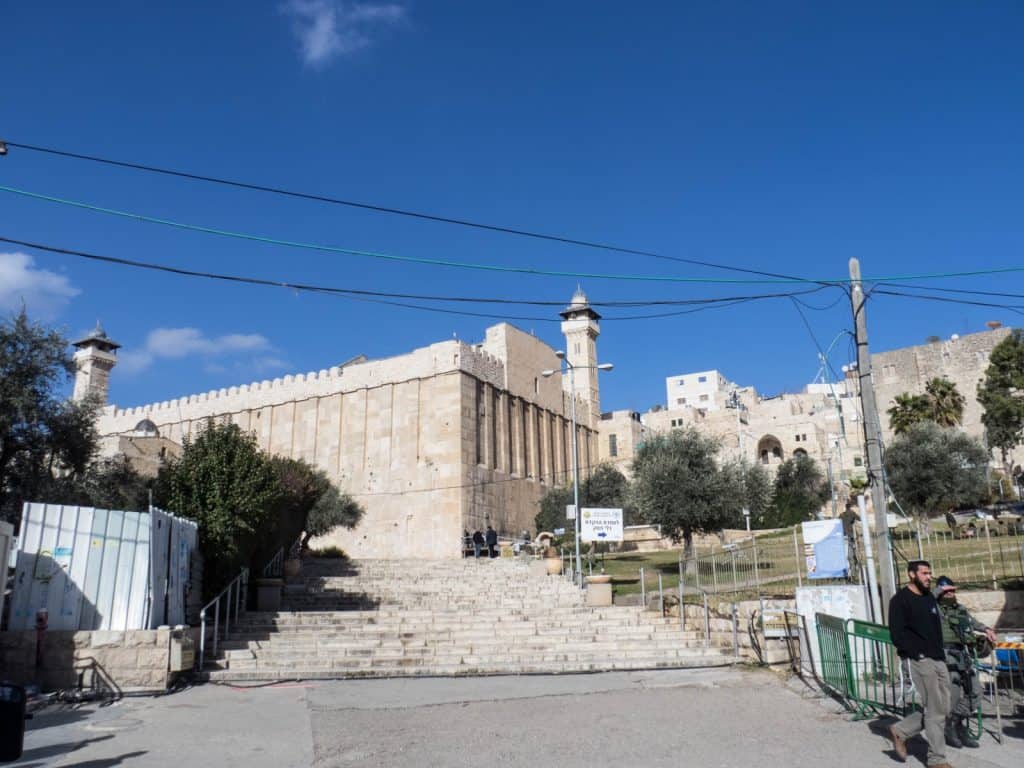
x,y
613,447
858,461
798,438
680,401
536,385
703,398
702,379
804,438
577,347
682,382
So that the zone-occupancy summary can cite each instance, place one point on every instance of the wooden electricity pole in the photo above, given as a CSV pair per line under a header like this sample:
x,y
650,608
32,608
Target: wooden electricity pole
x,y
872,440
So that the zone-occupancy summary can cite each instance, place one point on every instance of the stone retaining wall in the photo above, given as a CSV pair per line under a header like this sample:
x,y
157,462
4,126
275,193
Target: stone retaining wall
x,y
122,661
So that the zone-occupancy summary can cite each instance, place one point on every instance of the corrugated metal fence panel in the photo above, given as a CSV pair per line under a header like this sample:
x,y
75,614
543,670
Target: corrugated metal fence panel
x,y
89,568
162,528
6,542
184,540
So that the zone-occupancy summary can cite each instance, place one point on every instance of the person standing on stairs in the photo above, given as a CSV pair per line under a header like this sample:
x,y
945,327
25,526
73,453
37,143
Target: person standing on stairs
x,y
492,542
478,543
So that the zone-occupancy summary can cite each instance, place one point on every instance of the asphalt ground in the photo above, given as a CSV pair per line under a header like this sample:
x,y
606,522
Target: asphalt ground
x,y
715,717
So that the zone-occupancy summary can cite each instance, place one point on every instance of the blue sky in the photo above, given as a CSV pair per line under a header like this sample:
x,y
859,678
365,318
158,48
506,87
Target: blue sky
x,y
784,137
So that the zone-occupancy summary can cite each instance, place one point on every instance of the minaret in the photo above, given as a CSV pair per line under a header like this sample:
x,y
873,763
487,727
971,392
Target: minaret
x,y
95,356
580,328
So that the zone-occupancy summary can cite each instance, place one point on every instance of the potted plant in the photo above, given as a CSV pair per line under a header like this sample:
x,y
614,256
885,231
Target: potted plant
x,y
553,561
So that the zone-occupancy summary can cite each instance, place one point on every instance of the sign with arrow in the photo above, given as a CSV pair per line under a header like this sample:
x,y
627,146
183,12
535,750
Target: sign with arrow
x,y
600,524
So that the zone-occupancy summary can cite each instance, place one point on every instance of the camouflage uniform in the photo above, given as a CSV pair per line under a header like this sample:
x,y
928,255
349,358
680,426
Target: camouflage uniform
x,y
959,642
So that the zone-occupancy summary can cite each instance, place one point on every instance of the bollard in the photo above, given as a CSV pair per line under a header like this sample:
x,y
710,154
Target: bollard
x,y
12,722
42,622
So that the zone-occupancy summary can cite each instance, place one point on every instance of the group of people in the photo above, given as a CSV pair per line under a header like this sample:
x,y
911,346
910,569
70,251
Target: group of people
x,y
488,539
938,638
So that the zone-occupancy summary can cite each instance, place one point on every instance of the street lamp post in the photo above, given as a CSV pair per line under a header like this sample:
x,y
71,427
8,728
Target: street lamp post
x,y
575,453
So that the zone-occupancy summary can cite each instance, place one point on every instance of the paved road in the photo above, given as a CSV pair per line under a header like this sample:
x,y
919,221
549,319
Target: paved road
x,y
699,717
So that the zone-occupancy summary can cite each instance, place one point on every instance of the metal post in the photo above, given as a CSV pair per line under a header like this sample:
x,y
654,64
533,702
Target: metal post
x,y
714,570
575,468
757,573
870,558
920,546
872,436
735,584
202,638
227,612
735,633
216,624
661,594
643,589
682,610
796,550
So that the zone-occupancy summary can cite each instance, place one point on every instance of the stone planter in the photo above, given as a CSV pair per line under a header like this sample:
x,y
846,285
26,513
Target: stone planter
x,y
268,594
554,565
599,590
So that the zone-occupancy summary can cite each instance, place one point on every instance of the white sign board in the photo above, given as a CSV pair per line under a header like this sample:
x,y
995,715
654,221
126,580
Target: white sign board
x,y
570,511
841,601
600,524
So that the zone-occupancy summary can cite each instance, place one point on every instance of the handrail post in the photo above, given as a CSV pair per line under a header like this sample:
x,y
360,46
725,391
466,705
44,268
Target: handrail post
x,y
202,638
643,589
216,623
227,611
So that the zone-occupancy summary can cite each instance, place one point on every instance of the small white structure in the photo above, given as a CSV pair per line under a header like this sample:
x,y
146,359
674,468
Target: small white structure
x,y
101,569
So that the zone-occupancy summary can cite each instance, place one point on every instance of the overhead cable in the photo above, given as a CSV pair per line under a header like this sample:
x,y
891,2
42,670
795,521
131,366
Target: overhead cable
x,y
384,297
389,209
473,265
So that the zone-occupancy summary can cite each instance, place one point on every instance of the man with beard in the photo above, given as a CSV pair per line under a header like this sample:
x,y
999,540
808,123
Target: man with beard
x,y
916,629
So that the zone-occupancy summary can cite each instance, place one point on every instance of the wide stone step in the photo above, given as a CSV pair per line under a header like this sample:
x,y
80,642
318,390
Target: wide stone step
x,y
460,669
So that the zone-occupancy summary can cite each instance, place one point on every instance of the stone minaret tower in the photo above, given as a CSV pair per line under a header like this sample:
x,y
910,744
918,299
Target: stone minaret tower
x,y
580,327
95,356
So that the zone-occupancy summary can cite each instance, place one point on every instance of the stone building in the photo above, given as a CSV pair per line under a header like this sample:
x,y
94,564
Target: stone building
x,y
824,421
446,438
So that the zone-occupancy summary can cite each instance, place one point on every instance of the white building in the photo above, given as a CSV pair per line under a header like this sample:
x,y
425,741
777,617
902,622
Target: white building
x,y
706,390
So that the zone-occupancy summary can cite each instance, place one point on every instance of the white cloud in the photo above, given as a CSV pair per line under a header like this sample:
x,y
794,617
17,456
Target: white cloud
x,y
177,343
43,293
327,29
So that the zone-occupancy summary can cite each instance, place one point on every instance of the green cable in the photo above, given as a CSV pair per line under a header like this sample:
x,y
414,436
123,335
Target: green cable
x,y
469,265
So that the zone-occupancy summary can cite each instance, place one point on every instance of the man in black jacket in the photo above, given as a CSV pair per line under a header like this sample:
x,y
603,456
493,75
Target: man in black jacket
x,y
916,629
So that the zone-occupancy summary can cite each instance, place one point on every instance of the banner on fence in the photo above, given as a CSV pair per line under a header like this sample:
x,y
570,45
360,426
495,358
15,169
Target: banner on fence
x,y
825,549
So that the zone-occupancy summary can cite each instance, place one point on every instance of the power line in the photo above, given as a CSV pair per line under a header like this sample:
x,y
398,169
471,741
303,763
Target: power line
x,y
383,297
388,209
473,265
1018,308
384,256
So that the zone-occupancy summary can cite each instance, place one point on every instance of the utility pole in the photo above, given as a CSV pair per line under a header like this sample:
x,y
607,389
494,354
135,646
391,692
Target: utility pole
x,y
872,441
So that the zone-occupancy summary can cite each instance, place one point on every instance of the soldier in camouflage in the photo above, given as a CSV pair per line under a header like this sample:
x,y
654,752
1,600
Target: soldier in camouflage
x,y
962,639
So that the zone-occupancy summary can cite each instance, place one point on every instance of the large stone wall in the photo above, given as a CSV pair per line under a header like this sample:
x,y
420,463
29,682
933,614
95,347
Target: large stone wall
x,y
448,437
963,361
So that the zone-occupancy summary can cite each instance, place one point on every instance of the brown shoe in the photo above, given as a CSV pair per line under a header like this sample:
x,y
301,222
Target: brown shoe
x,y
899,745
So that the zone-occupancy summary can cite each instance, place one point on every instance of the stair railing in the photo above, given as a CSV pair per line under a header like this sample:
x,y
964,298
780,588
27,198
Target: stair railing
x,y
236,591
275,568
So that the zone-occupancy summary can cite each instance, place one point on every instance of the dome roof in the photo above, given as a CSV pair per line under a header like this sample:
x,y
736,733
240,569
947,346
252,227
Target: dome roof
x,y
148,427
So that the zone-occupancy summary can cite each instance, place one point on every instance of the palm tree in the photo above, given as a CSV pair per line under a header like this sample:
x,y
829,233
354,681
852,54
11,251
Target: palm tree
x,y
908,410
945,402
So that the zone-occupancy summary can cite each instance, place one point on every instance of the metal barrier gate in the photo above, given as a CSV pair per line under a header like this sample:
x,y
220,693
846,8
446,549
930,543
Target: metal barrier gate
x,y
859,662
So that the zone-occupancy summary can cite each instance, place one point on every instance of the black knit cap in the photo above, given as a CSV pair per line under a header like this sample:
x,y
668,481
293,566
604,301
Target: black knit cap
x,y
945,581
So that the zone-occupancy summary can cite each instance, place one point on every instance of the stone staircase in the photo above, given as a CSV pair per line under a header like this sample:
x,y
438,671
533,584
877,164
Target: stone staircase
x,y
444,618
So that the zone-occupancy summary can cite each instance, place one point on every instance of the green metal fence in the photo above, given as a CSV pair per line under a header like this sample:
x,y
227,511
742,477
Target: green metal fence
x,y
859,662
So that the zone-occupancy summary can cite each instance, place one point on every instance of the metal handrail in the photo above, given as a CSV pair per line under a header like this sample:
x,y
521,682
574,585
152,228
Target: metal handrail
x,y
275,568
682,607
237,588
